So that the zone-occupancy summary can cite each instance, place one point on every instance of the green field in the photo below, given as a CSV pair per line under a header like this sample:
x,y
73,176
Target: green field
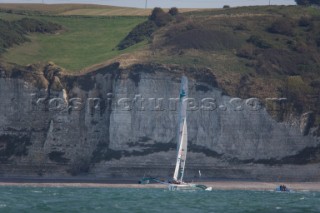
x,y
90,36
75,9
83,42
82,9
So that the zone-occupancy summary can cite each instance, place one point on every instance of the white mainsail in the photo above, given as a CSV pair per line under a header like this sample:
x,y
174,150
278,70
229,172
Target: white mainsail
x,y
182,132
182,146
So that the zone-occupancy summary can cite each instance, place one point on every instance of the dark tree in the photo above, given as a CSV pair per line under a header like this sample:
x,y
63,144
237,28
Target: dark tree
x,y
173,11
315,2
302,2
307,2
160,17
155,13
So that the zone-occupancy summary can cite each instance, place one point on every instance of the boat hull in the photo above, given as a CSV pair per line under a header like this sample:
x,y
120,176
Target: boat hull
x,y
183,187
188,187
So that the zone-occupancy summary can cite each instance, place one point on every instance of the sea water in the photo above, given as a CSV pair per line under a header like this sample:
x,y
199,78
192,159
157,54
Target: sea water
x,y
108,200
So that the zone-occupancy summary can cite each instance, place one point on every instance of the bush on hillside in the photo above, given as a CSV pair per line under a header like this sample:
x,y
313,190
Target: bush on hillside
x,y
180,28
155,12
173,11
10,35
315,83
180,18
226,6
203,39
159,17
32,25
318,41
258,42
240,27
305,21
282,26
296,90
246,51
302,2
138,34
298,46
315,2
307,2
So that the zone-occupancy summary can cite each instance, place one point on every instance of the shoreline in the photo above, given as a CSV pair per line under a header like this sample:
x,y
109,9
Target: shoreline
x,y
216,185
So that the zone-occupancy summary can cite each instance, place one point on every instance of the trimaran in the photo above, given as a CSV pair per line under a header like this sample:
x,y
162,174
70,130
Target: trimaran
x,y
177,183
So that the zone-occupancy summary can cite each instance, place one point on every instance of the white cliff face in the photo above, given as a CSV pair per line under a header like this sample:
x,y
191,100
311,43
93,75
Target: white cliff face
x,y
122,123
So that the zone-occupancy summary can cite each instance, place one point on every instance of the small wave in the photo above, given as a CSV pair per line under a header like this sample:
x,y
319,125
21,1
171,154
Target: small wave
x,y
2,205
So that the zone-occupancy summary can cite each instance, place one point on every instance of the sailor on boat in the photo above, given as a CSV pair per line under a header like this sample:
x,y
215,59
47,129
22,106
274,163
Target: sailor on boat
x,y
283,188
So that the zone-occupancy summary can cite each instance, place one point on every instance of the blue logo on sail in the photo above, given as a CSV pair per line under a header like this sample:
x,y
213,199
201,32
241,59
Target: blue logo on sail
x,y
182,94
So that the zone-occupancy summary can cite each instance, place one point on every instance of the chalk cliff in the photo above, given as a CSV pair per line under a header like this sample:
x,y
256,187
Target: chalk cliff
x,y
121,123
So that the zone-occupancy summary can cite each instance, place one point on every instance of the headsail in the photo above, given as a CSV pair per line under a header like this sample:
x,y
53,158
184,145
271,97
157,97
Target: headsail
x,y
182,132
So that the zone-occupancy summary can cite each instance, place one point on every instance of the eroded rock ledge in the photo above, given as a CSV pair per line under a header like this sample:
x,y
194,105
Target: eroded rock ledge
x,y
121,123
